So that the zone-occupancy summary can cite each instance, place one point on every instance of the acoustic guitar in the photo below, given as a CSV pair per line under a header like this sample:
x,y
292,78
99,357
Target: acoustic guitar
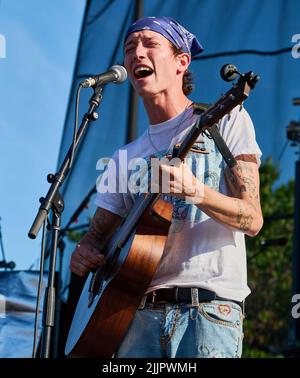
x,y
112,294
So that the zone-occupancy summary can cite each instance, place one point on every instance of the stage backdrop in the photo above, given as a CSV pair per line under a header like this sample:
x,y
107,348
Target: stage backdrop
x,y
254,35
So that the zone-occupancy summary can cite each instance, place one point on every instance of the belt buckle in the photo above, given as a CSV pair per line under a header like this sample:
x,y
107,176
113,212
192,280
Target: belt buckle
x,y
195,296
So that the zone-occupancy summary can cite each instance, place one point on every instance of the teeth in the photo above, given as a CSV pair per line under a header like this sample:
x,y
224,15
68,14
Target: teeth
x,y
139,69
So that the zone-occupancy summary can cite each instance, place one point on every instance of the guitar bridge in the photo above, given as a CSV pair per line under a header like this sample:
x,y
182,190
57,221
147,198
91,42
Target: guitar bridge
x,y
95,287
91,299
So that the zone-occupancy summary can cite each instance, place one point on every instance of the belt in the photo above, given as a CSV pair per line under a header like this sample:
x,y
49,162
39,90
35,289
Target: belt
x,y
185,295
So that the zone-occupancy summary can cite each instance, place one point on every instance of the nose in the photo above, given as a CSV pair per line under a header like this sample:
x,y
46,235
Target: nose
x,y
139,51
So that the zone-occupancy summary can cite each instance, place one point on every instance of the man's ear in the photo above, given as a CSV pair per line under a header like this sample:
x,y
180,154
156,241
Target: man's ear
x,y
184,61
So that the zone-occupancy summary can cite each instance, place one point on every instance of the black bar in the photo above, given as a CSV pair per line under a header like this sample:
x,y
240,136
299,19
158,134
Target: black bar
x,y
296,259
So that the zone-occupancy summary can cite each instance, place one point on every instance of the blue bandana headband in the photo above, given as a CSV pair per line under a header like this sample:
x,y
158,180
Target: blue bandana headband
x,y
171,30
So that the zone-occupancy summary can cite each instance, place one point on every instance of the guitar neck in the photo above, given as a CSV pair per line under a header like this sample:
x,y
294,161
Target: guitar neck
x,y
139,207
235,96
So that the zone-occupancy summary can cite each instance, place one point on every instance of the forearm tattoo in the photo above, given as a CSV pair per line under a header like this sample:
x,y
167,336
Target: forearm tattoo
x,y
242,180
243,219
248,186
99,228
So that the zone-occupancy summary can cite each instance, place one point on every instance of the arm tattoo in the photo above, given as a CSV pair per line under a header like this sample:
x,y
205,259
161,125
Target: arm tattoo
x,y
244,221
248,187
231,177
100,226
247,157
240,211
243,170
242,179
97,223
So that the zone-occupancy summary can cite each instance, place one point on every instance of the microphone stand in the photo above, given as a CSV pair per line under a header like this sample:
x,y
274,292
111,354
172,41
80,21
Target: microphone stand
x,y
75,215
61,247
54,202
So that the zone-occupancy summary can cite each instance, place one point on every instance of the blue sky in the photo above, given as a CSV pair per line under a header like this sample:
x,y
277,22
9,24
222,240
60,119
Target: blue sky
x,y
41,40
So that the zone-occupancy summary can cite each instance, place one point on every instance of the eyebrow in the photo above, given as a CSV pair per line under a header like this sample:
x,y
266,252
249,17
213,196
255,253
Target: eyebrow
x,y
132,41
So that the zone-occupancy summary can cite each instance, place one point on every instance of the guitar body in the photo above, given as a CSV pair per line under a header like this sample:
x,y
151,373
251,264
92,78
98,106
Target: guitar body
x,y
98,327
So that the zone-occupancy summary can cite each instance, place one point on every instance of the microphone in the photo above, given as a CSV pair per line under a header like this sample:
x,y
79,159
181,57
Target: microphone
x,y
229,72
116,74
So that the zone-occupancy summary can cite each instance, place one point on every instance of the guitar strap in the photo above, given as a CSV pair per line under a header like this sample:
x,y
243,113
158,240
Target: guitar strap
x,y
214,133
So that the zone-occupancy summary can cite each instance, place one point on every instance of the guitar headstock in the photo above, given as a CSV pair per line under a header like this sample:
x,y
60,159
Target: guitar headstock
x,y
235,96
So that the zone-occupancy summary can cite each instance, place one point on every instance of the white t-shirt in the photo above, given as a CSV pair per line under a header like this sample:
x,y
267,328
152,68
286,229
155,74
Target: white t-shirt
x,y
199,251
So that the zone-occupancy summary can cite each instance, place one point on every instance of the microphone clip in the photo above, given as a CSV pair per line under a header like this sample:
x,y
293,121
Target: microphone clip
x,y
229,72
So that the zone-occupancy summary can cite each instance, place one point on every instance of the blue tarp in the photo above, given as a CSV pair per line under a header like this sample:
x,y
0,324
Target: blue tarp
x,y
18,295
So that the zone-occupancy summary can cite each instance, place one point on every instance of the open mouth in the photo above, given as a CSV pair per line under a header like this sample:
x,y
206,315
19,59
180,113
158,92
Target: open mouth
x,y
142,71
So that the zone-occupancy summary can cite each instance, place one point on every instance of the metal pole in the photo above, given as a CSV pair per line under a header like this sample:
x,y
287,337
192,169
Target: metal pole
x,y
133,96
295,328
50,292
293,347
1,243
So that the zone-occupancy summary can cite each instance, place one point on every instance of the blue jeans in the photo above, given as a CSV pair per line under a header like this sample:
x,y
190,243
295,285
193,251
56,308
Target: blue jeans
x,y
211,329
